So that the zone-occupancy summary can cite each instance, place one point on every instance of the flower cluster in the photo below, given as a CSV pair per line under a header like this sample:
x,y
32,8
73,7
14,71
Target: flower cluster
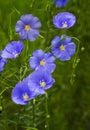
x,y
62,47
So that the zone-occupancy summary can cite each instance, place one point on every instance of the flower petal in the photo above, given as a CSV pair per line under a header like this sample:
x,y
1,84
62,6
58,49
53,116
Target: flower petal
x,y
64,56
60,3
55,40
35,23
23,34
26,18
33,34
19,26
71,48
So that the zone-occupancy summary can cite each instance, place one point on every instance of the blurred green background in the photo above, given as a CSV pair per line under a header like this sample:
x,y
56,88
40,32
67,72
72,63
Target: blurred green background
x,y
68,104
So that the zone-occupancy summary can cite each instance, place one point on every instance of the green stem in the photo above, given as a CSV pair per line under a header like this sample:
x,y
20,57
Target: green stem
x,y
33,112
5,90
76,61
47,113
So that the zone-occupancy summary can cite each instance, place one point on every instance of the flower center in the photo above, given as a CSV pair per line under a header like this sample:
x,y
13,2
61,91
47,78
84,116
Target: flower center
x,y
42,83
25,96
62,47
15,54
64,25
27,27
42,62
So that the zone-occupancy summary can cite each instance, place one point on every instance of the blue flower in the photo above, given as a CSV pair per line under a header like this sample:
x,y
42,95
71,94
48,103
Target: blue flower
x,y
12,49
27,27
60,3
63,47
41,60
41,79
2,63
23,92
64,20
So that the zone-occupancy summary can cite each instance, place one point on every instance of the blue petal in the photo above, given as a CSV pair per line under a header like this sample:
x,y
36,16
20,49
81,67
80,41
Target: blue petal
x,y
34,62
6,54
50,67
71,48
2,63
33,34
65,39
35,88
56,52
19,26
14,47
26,18
61,3
49,58
42,75
35,23
19,90
55,40
23,34
49,84
38,53
64,55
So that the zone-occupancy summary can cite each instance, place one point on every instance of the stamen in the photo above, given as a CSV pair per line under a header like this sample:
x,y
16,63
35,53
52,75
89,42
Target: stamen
x,y
42,83
15,54
42,62
25,96
64,24
27,27
62,47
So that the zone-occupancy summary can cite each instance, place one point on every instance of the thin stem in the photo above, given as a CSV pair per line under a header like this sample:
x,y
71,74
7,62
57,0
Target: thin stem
x,y
33,112
27,49
47,113
41,36
5,90
76,61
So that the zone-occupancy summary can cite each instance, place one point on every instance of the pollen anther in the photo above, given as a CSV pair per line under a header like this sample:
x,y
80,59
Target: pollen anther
x,y
42,83
62,47
42,62
27,27
64,24
25,96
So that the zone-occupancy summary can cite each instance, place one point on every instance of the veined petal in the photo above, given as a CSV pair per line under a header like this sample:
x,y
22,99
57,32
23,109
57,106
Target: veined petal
x,y
26,18
33,34
55,40
23,34
35,23
19,26
64,56
71,48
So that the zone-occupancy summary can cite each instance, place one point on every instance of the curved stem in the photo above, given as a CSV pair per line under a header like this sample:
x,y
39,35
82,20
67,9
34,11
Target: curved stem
x,y
76,61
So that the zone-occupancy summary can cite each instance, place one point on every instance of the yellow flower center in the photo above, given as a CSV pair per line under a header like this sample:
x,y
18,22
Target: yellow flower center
x,y
64,25
27,27
25,96
42,62
15,54
43,84
62,47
